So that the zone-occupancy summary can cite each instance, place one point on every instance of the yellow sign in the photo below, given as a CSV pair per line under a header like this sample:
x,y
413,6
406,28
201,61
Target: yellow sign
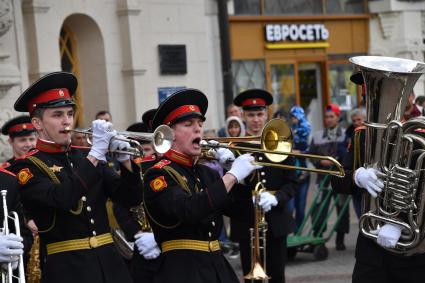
x,y
297,45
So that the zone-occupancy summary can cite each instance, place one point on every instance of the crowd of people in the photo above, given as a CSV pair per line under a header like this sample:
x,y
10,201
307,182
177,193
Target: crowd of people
x,y
85,200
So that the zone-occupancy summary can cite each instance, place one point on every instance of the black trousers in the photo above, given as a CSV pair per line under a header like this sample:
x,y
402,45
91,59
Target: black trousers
x,y
276,256
386,273
143,270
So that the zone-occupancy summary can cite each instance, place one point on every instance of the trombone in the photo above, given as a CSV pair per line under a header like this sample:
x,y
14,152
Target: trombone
x,y
7,275
161,138
276,144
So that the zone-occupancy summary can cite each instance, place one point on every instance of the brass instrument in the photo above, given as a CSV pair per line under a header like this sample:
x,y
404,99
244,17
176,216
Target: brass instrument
x,y
396,149
258,233
7,276
161,138
276,144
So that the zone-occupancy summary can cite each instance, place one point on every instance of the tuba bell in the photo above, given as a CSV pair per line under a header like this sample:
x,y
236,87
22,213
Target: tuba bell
x,y
396,149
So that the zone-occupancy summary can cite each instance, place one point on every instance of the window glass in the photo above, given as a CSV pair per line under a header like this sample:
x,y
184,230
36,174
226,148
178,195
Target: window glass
x,y
283,87
345,6
294,7
248,74
246,7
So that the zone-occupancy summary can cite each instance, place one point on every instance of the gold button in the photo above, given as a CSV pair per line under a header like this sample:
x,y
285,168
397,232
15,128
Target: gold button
x,y
83,198
213,224
91,221
88,208
262,173
209,234
93,242
94,233
264,180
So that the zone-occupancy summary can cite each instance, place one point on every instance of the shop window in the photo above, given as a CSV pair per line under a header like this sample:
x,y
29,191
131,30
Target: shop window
x,y
279,7
247,7
342,91
296,7
69,63
283,87
248,74
345,6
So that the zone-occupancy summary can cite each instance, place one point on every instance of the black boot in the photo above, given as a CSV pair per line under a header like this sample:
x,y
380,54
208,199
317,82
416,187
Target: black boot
x,y
340,246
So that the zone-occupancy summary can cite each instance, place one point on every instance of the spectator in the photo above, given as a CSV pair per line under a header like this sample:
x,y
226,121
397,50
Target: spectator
x,y
419,104
104,115
231,110
301,130
330,142
235,127
411,111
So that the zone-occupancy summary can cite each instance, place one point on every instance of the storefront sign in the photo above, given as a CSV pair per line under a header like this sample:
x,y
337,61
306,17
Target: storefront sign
x,y
284,36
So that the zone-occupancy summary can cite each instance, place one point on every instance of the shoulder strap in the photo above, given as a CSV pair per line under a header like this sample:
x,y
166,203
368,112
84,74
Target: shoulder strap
x,y
44,169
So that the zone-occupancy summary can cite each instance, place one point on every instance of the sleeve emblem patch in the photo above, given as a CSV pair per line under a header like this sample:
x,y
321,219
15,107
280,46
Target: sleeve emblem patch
x,y
24,176
158,184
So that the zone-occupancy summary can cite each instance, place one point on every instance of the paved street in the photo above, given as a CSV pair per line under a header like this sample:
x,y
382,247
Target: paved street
x,y
337,268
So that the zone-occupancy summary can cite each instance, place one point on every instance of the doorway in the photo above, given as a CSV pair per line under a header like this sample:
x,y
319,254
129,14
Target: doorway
x,y
298,83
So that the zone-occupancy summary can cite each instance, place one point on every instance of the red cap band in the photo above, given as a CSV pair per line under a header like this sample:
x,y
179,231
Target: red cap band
x,y
333,108
180,111
20,127
53,94
254,102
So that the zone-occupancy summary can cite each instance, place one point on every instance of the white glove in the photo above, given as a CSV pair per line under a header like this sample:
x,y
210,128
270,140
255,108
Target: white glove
x,y
267,201
11,248
368,179
4,266
224,155
388,235
152,254
102,134
146,245
120,145
243,166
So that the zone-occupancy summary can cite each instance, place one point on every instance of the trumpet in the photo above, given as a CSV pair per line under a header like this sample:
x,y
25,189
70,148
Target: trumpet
x,y
161,138
7,275
276,145
258,233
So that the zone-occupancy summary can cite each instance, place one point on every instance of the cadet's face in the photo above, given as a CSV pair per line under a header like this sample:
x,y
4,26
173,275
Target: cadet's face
x,y
255,121
21,145
187,136
52,126
79,139
148,149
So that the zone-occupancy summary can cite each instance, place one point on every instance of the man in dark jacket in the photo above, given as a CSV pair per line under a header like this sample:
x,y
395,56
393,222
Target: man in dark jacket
x,y
65,188
280,187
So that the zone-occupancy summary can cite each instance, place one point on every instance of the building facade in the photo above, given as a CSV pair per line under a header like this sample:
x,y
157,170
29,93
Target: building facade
x,y
299,49
127,54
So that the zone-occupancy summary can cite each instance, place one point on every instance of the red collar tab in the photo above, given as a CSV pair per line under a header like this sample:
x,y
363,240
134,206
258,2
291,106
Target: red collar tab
x,y
254,102
149,158
179,157
50,147
53,94
20,127
7,172
180,111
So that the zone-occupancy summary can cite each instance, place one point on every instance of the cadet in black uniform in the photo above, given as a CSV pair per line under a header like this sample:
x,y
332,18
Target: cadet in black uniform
x,y
133,221
280,185
11,246
22,136
185,200
65,189
374,264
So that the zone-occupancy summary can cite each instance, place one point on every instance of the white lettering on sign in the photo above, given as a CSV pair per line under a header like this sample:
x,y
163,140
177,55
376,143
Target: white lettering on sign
x,y
302,32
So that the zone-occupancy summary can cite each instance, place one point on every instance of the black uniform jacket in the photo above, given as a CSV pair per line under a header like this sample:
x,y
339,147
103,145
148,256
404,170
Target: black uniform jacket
x,y
193,213
367,251
282,184
75,209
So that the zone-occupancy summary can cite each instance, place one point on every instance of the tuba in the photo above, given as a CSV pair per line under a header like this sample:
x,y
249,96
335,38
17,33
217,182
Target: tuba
x,y
396,149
